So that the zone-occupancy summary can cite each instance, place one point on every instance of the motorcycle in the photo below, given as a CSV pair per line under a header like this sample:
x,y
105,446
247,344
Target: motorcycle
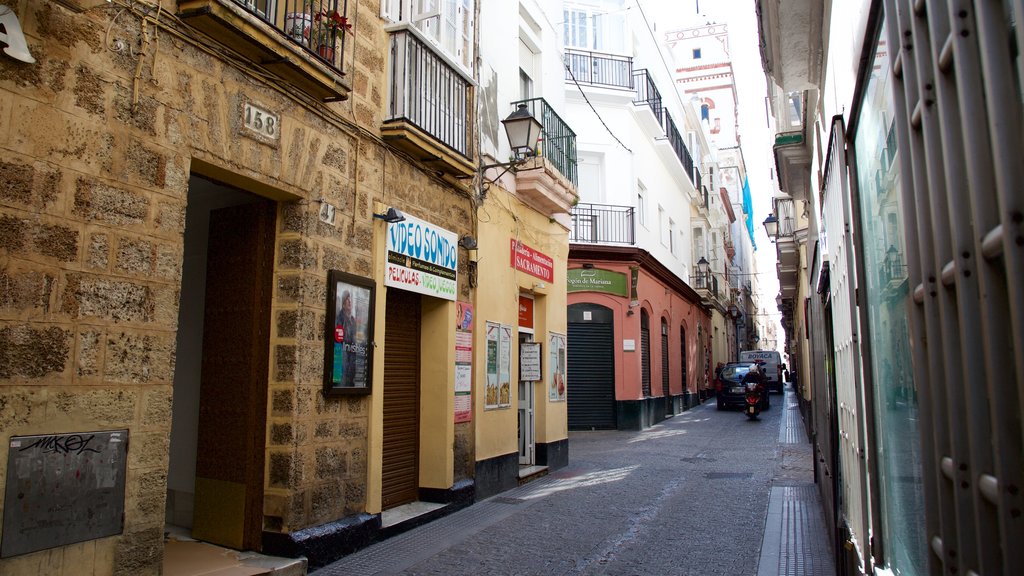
x,y
753,398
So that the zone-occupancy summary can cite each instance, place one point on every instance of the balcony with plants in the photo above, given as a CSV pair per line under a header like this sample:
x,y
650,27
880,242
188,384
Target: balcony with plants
x,y
302,42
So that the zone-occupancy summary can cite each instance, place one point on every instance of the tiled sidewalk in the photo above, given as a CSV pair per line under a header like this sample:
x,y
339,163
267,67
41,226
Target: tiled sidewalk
x,y
795,539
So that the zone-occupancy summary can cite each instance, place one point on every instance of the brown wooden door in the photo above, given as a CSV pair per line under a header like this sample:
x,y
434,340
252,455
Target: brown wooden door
x,y
400,475
233,387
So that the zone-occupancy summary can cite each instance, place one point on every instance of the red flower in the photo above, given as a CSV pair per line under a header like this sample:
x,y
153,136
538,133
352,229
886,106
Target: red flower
x,y
333,19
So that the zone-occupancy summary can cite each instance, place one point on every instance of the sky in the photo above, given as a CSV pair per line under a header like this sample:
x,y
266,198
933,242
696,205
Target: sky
x,y
755,135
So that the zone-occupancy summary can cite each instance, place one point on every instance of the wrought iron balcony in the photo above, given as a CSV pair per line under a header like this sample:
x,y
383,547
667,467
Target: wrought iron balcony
x,y
558,141
603,224
647,93
428,110
596,69
277,33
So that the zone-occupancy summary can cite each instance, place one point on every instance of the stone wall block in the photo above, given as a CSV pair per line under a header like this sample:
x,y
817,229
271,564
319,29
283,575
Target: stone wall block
x,y
336,156
89,353
140,553
168,262
324,430
285,360
66,29
21,408
97,254
140,115
281,433
295,254
165,304
134,358
85,145
170,217
157,406
134,256
100,407
98,297
29,351
282,401
150,451
212,99
89,90
32,236
352,430
145,166
281,469
28,186
330,463
355,497
286,323
26,293
297,217
328,499
101,202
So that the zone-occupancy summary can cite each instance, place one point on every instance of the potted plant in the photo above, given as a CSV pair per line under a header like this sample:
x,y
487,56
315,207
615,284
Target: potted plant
x,y
326,26
298,24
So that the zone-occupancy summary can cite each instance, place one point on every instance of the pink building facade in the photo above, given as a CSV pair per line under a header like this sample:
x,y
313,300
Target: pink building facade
x,y
639,346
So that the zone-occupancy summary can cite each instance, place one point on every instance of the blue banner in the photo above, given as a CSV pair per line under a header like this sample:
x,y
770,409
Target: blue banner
x,y
748,209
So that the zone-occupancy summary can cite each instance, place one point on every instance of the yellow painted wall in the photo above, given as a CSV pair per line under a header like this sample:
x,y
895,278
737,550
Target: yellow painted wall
x,y
502,218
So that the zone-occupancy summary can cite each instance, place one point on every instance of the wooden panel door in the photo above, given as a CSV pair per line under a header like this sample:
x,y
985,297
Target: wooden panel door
x,y
233,387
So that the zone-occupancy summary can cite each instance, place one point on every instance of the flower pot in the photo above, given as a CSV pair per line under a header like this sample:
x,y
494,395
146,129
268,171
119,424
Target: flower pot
x,y
326,52
297,25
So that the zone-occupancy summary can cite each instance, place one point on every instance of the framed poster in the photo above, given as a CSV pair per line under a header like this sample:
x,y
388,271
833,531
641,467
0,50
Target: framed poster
x,y
498,390
556,367
348,339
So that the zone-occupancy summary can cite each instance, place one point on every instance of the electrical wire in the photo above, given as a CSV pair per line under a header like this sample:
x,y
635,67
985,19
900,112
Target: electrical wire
x,y
578,87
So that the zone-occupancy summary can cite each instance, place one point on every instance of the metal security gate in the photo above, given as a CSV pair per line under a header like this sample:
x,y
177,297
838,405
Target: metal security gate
x,y
645,353
664,367
591,368
401,443
957,84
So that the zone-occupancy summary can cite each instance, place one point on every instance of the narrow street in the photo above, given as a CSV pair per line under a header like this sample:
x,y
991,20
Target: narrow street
x,y
688,496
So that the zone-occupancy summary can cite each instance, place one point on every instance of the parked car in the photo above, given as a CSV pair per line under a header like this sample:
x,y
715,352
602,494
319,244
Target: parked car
x,y
729,388
771,365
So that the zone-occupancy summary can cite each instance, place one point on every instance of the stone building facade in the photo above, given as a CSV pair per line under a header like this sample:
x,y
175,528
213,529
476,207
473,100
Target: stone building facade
x,y
178,181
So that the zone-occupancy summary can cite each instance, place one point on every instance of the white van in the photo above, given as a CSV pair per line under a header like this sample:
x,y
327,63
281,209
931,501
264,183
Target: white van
x,y
771,364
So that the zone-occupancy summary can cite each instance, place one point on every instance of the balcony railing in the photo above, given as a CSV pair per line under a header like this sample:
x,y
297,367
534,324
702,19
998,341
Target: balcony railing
x,y
647,92
708,281
430,94
603,224
679,146
598,69
318,26
558,141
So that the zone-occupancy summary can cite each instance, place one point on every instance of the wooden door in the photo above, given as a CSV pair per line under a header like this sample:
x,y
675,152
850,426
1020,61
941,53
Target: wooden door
x,y
233,386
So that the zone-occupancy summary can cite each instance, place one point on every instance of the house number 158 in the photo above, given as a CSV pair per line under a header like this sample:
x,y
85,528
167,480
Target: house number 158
x,y
260,121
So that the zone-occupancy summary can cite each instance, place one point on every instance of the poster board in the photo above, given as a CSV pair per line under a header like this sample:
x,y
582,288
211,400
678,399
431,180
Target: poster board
x,y
498,392
62,489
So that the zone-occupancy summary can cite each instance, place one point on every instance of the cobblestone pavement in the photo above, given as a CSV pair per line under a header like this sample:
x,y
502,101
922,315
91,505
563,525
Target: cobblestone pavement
x,y
687,496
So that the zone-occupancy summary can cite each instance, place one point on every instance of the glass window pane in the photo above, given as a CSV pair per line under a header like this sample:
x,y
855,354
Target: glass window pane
x,y
899,449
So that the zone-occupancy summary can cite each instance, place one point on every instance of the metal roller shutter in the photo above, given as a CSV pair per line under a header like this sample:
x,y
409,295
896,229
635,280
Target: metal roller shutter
x,y
591,372
400,471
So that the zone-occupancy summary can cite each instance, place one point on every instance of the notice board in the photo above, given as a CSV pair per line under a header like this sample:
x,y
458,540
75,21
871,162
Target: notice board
x,y
62,489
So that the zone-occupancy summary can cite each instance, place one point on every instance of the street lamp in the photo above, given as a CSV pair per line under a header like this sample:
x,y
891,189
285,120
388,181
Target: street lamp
x,y
522,131
702,272
771,226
